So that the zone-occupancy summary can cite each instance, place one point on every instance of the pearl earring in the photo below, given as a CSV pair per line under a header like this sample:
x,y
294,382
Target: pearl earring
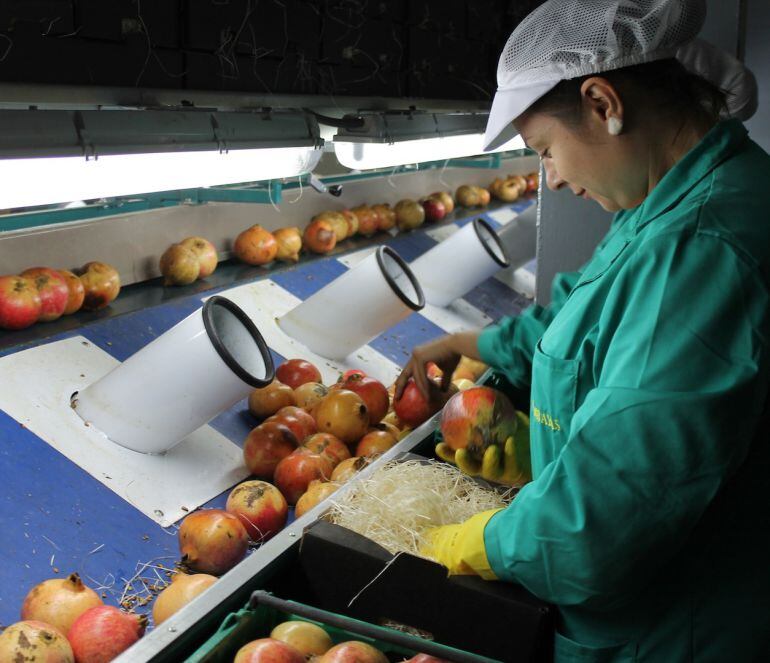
x,y
614,126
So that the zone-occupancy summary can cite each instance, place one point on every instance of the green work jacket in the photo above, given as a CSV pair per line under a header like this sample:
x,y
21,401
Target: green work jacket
x,y
647,522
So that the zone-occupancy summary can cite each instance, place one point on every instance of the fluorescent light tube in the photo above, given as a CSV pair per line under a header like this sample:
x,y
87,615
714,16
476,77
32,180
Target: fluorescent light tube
x,y
44,180
363,156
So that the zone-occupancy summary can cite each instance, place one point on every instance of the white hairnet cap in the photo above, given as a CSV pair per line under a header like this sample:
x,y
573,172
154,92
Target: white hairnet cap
x,y
564,39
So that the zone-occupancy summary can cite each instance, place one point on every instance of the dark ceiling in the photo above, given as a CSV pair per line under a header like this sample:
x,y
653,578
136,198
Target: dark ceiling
x,y
445,49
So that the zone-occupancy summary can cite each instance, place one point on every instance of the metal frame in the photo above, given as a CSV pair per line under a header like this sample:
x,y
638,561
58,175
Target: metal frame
x,y
265,192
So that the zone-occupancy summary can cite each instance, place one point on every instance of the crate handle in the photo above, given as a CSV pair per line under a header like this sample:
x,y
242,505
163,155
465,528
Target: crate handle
x,y
261,597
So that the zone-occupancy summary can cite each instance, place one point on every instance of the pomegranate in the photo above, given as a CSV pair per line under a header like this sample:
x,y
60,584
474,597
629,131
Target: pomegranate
x,y
328,444
308,395
533,182
426,658
372,392
316,493
179,265
206,253
34,642
386,216
352,221
266,446
265,401
409,214
467,196
19,302
434,209
343,414
53,290
446,198
319,236
59,602
350,373
295,472
353,651
388,427
102,633
309,639
212,541
368,220
412,408
476,418
484,195
340,224
76,292
255,246
296,372
183,589
349,468
101,283
261,508
296,420
289,244
268,650
374,443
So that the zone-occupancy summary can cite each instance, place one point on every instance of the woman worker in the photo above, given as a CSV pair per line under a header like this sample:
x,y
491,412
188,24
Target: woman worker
x,y
647,522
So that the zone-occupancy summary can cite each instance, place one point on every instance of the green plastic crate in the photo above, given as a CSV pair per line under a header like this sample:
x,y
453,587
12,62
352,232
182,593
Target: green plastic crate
x,y
265,611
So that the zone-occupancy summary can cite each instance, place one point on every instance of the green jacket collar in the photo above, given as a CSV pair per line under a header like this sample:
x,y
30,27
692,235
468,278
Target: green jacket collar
x,y
718,145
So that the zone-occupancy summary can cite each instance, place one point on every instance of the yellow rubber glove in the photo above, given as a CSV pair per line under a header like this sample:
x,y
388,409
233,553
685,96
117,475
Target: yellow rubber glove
x,y
508,464
461,547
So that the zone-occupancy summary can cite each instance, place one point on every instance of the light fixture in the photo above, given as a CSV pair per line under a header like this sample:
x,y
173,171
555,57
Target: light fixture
x,y
393,139
51,157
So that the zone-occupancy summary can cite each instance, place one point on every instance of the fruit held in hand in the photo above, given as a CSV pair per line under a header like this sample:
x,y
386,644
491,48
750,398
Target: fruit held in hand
x,y
34,642
77,292
255,246
206,253
59,602
53,290
260,507
475,418
212,541
413,408
179,265
101,283
409,214
101,634
19,302
183,589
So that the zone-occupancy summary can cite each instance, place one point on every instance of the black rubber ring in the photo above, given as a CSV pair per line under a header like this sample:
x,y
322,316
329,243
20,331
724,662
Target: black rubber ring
x,y
495,238
232,364
392,282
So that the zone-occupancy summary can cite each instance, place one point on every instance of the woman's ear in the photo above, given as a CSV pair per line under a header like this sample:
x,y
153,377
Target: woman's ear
x,y
603,103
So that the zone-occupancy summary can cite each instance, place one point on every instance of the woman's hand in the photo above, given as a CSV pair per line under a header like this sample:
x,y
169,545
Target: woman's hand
x,y
445,352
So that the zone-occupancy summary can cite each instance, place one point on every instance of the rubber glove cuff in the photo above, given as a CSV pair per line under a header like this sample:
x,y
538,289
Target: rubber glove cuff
x,y
461,547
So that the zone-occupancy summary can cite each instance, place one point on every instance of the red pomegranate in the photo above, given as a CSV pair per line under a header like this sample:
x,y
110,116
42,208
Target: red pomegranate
x,y
413,408
261,508
212,541
372,392
19,302
53,290
266,446
296,372
295,472
102,633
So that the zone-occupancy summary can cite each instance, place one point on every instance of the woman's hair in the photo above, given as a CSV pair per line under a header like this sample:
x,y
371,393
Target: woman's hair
x,y
659,90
